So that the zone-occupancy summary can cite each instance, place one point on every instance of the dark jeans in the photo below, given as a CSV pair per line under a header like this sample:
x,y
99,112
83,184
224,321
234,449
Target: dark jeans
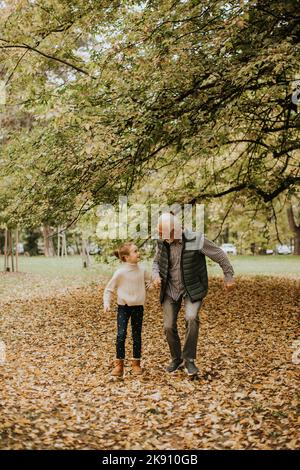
x,y
125,312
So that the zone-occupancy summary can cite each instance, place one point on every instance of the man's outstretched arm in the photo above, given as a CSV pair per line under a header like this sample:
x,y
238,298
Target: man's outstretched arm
x,y
215,253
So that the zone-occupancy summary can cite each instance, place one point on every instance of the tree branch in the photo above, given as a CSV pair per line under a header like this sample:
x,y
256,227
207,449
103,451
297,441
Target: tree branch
x,y
47,56
267,197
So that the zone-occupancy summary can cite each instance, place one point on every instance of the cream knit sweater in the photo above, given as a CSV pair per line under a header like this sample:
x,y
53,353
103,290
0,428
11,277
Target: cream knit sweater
x,y
129,280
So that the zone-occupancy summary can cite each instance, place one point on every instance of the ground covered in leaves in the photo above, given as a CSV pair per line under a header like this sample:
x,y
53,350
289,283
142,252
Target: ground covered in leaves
x,y
57,393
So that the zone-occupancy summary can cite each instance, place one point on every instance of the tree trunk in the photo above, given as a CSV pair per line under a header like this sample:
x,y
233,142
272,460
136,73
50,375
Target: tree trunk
x,y
226,234
5,250
17,254
61,242
64,244
77,244
8,251
11,250
86,260
48,241
295,228
58,241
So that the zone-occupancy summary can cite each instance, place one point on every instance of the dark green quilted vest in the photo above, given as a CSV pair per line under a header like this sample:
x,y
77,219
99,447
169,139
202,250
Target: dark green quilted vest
x,y
193,270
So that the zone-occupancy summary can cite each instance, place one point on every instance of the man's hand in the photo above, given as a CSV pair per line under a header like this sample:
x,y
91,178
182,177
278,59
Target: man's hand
x,y
230,285
157,282
106,308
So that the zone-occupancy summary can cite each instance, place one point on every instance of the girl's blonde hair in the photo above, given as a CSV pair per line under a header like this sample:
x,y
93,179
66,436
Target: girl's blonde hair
x,y
123,250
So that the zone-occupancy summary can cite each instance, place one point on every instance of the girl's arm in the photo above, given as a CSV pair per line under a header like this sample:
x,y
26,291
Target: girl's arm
x,y
109,290
155,267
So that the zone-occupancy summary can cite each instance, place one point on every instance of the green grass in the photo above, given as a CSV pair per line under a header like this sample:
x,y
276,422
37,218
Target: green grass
x,y
40,275
71,266
65,268
273,265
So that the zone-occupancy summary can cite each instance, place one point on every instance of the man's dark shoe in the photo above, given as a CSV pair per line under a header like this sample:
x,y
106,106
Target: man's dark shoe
x,y
174,365
190,367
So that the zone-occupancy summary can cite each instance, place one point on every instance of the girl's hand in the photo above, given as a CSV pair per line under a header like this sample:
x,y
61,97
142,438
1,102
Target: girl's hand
x,y
106,308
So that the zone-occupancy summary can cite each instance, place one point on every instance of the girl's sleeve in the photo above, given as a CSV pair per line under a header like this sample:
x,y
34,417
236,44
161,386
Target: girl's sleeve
x,y
109,289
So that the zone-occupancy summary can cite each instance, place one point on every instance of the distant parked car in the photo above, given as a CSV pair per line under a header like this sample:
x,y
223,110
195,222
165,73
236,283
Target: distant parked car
x,y
229,248
283,250
71,250
94,249
20,248
265,251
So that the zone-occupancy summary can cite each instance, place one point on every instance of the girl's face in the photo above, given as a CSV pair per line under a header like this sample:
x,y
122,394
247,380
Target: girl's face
x,y
134,255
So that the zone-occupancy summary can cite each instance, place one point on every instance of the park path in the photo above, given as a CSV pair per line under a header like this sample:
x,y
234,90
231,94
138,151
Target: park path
x,y
56,391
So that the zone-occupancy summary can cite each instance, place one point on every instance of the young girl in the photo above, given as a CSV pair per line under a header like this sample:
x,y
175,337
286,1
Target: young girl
x,y
129,280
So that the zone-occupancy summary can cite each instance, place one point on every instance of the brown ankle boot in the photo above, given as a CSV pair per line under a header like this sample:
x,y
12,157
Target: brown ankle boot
x,y
118,370
136,367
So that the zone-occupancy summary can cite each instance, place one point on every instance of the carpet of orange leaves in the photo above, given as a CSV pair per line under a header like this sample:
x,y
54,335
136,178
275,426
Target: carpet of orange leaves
x,y
57,392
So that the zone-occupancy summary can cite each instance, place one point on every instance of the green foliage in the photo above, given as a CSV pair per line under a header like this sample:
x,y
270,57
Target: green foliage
x,y
195,95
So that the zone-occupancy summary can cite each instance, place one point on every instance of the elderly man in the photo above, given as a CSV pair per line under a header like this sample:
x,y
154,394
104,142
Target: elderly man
x,y
179,269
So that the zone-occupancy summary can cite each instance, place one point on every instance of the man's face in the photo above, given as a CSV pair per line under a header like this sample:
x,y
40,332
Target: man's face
x,y
164,233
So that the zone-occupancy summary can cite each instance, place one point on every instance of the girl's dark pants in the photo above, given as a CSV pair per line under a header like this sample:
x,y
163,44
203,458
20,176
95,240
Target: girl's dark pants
x,y
125,312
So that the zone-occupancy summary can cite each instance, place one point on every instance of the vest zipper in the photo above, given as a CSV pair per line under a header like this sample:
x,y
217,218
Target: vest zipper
x,y
181,266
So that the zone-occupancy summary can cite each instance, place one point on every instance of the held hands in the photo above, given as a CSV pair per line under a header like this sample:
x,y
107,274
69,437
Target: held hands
x,y
106,308
149,285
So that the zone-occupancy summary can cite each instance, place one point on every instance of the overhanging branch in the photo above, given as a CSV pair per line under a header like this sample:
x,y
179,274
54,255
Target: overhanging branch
x,y
44,54
267,197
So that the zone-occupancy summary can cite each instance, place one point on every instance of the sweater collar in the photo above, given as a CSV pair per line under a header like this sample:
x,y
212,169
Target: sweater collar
x,y
130,265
